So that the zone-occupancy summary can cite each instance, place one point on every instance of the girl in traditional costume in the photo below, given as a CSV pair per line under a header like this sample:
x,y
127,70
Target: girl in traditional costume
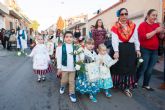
x,y
85,82
41,59
105,62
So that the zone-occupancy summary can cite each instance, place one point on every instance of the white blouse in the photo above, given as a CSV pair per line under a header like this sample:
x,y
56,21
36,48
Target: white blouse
x,y
134,39
40,56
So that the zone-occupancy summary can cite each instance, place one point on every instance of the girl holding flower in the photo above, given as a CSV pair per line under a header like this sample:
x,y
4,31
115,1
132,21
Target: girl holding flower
x,y
83,83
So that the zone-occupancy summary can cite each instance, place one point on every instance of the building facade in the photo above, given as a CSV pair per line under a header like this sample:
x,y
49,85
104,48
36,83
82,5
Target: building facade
x,y
11,15
79,20
137,10
3,12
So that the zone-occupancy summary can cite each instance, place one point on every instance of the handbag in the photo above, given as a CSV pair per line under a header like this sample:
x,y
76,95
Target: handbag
x,y
92,71
12,38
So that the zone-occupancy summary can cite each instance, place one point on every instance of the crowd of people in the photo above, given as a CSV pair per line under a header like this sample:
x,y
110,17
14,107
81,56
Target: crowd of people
x,y
7,37
84,62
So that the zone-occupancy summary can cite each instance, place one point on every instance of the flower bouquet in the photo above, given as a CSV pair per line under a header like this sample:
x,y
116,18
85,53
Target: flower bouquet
x,y
77,50
139,62
80,67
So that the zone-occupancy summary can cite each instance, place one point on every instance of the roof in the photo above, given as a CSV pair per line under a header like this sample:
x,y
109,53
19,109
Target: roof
x,y
111,7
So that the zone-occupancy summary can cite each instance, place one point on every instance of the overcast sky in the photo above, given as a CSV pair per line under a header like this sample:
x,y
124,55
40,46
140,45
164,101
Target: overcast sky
x,y
46,12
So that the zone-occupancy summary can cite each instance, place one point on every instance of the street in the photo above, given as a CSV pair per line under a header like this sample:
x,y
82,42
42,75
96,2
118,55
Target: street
x,y
20,91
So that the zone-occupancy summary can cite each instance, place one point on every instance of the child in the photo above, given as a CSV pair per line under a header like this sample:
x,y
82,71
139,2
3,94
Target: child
x,y
65,65
105,62
83,84
59,38
41,59
82,41
50,46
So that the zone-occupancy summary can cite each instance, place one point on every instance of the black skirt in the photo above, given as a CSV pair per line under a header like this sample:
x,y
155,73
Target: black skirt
x,y
127,60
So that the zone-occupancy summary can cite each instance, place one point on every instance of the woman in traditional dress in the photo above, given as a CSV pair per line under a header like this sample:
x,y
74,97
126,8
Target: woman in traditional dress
x,y
126,48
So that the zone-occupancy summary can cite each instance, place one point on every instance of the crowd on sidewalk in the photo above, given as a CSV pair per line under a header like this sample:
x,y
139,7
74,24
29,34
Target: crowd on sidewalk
x,y
85,62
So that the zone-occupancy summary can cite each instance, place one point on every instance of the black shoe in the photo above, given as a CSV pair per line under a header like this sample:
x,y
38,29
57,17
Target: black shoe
x,y
39,80
43,78
148,88
136,85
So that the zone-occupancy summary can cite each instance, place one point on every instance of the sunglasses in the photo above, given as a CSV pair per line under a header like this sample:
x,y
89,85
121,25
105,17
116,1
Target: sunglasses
x,y
124,14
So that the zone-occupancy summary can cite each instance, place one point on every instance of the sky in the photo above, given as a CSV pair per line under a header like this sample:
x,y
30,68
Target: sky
x,y
46,12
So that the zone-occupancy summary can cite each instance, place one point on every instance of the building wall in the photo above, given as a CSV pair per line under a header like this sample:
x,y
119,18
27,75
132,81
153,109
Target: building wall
x,y
2,20
134,7
8,19
3,12
83,30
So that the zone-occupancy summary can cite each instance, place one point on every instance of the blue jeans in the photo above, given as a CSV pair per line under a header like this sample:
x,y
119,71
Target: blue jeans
x,y
150,58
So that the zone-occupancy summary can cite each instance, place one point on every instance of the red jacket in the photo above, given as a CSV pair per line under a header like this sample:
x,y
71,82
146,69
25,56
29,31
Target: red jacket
x,y
151,43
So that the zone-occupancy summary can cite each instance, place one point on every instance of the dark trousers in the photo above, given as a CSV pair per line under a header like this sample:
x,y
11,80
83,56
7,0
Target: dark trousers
x,y
5,42
150,58
164,65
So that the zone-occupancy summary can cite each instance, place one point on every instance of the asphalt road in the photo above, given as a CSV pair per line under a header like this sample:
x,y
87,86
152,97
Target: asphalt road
x,y
20,91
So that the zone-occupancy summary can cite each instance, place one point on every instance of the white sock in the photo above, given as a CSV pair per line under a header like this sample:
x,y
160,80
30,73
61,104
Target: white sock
x,y
39,76
43,76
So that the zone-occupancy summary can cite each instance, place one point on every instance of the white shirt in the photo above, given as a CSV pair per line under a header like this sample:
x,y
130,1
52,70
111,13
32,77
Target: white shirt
x,y
134,39
70,60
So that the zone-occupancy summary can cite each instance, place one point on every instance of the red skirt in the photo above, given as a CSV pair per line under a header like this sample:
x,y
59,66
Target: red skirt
x,y
43,72
40,72
49,70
